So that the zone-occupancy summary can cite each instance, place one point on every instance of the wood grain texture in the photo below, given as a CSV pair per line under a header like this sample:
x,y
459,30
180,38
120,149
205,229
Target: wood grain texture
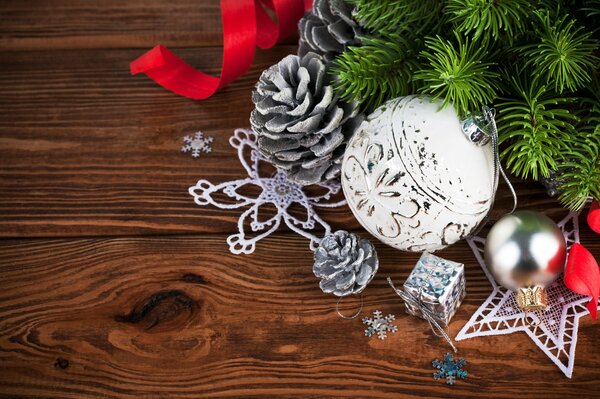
x,y
89,150
69,24
113,284
181,317
110,24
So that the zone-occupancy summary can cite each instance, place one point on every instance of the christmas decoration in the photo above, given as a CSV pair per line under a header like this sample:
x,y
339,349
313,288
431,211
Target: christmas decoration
x,y
552,183
555,330
437,284
379,325
328,29
302,128
526,252
276,190
413,179
345,263
449,369
582,274
536,63
196,144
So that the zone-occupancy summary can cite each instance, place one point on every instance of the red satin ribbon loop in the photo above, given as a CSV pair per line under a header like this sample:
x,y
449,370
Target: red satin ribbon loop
x,y
583,276
246,25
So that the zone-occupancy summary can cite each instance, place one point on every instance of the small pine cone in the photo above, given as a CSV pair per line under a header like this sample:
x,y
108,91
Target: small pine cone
x,y
345,263
328,29
302,128
553,183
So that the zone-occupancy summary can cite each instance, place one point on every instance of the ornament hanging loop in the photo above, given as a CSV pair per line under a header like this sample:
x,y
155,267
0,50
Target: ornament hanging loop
x,y
481,129
489,115
355,315
529,321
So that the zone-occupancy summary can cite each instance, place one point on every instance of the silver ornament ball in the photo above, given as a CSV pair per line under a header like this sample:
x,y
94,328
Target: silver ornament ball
x,y
525,249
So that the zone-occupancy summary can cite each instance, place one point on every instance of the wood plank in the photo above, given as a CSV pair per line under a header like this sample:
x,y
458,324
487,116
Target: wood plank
x,y
89,150
181,317
110,24
72,24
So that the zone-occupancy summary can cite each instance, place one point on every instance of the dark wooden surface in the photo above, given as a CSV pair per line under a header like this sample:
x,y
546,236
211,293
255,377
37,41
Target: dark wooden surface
x,y
114,284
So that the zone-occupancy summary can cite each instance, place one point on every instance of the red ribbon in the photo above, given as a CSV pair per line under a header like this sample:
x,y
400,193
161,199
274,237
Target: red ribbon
x,y
582,274
246,24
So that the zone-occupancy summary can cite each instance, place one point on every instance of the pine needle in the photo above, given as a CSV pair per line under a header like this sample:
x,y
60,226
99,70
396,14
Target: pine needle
x,y
564,55
459,75
535,125
379,70
487,19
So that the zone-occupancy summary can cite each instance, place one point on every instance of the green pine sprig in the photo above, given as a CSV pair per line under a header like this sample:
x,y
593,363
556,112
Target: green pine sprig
x,y
581,173
564,54
535,126
458,73
486,19
580,169
383,17
592,8
378,70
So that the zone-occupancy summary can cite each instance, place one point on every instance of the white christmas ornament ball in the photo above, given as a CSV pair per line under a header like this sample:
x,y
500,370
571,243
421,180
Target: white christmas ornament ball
x,y
413,179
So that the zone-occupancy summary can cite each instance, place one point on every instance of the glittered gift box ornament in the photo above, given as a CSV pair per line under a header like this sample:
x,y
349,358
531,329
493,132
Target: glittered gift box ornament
x,y
437,284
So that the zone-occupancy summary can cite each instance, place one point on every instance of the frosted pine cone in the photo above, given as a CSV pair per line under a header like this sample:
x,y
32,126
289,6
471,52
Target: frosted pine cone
x,y
345,263
328,29
302,128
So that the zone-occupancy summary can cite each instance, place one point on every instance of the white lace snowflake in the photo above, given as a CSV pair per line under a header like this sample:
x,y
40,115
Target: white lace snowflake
x,y
556,333
276,190
197,144
379,324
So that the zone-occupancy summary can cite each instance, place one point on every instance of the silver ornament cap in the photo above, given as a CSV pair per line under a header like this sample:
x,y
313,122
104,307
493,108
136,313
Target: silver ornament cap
x,y
526,251
477,129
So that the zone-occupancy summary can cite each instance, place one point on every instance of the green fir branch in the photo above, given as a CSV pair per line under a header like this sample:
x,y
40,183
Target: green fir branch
x,y
581,173
383,17
564,55
536,126
580,170
459,75
379,70
487,19
592,8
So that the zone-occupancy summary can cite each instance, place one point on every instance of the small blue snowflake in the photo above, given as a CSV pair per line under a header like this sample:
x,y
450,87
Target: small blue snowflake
x,y
449,369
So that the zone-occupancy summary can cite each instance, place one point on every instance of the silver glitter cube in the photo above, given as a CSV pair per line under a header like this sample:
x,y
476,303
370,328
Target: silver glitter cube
x,y
439,284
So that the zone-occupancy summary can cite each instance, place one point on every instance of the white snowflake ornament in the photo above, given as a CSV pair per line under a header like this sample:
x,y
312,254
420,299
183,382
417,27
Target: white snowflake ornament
x,y
379,324
256,223
197,144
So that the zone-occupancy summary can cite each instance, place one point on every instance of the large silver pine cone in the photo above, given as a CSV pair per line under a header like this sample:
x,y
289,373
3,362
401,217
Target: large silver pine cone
x,y
345,263
302,128
328,29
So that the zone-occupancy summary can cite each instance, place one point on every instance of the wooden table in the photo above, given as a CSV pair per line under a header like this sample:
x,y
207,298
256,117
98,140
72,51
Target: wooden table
x,y
113,283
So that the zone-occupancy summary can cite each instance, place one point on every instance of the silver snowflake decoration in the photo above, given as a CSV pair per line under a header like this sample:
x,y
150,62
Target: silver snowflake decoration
x,y
197,144
379,324
449,369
